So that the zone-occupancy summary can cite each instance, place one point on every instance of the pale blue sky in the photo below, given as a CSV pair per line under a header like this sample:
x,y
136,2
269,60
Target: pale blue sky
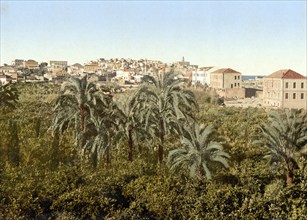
x,y
253,37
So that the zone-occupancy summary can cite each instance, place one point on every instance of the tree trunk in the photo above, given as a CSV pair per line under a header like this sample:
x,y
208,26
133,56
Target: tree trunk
x,y
94,158
38,127
290,177
82,117
55,150
130,144
290,171
107,159
81,133
200,171
162,134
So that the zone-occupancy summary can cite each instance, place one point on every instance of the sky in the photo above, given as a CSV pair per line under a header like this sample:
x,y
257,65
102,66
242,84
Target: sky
x,y
252,37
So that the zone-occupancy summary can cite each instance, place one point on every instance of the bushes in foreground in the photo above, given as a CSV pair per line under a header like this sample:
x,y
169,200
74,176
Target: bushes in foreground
x,y
137,191
54,183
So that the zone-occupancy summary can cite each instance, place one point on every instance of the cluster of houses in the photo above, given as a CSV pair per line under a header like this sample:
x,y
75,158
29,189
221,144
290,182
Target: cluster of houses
x,y
283,88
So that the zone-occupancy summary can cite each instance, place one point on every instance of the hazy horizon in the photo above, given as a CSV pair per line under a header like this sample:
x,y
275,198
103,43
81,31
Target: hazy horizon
x,y
252,37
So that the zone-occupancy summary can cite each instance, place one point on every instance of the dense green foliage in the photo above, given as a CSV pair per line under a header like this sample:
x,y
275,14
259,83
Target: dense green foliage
x,y
44,176
8,96
286,139
198,149
166,104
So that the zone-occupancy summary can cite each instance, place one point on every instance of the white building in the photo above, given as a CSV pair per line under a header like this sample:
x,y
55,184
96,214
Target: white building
x,y
125,75
200,77
203,75
5,79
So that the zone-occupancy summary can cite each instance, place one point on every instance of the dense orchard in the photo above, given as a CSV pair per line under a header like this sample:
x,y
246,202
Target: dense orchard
x,y
157,152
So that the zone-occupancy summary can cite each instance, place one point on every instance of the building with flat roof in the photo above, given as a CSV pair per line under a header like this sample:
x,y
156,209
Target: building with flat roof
x,y
30,64
91,67
58,64
17,63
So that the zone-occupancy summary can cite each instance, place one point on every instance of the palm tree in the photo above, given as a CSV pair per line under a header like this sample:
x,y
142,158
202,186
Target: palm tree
x,y
100,143
129,120
102,128
198,150
73,106
285,138
166,103
8,96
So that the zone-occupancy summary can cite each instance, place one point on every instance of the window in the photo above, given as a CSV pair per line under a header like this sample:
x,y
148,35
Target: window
x,y
231,86
302,85
302,95
235,84
294,85
238,84
287,85
294,95
286,96
235,77
238,77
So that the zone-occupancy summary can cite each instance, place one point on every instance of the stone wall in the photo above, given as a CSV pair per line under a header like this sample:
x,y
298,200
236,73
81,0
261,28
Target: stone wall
x,y
236,93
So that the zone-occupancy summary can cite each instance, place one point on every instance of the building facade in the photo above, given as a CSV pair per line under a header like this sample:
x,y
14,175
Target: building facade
x,y
5,79
58,64
7,69
57,68
225,78
17,63
285,89
30,64
199,77
91,67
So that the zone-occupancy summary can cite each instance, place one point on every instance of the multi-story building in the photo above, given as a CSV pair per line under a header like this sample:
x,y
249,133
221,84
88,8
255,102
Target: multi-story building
x,y
225,79
285,89
57,67
91,67
227,83
7,69
17,63
200,77
58,64
30,64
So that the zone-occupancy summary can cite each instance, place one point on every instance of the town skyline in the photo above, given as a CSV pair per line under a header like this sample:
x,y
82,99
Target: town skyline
x,y
255,38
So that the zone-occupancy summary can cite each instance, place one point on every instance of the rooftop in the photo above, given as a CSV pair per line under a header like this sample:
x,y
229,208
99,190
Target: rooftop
x,y
285,74
225,70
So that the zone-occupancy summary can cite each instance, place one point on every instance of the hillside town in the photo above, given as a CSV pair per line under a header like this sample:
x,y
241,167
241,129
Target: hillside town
x,y
281,89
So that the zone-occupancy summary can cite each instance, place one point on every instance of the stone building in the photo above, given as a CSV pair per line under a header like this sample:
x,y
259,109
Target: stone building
x,y
285,89
30,64
58,64
225,78
17,63
91,67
